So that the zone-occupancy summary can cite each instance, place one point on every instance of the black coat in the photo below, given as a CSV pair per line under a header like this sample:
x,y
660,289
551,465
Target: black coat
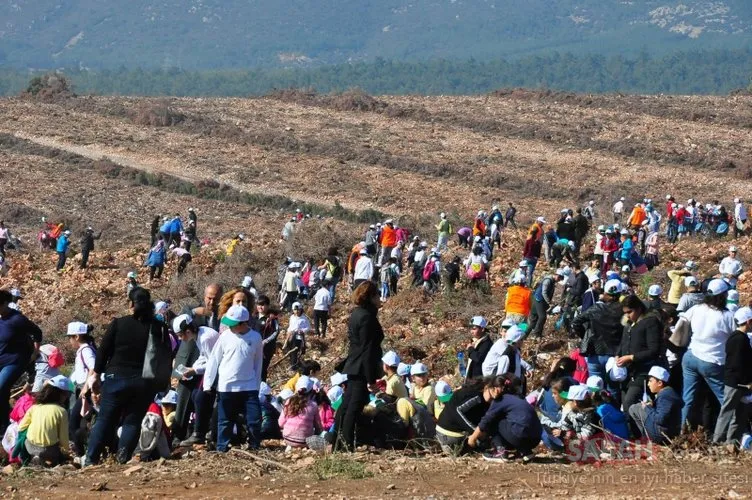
x,y
604,319
738,368
87,240
365,334
644,340
477,355
581,226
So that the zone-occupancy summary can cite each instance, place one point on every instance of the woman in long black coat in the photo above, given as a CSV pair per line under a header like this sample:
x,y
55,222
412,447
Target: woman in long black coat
x,y
363,364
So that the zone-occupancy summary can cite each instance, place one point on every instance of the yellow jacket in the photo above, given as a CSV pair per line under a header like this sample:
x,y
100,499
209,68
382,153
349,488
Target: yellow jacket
x,y
46,425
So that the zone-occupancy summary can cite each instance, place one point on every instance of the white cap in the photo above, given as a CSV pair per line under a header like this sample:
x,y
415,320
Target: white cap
x,y
508,322
690,264
191,210
61,382
67,232
622,199
591,202
391,359
338,378
247,282
564,210
171,398
717,287
613,287
77,328
624,232
15,292
181,322
297,305
594,383
690,281
235,315
335,393
480,213
363,251
132,274
742,315
418,369
659,372
443,391
732,248
286,394
161,307
625,268
576,393
655,290
733,295
13,306
514,334
560,272
615,373
594,278
304,384
736,200
403,369
523,263
668,196
442,215
571,245
264,389
389,221
541,220
316,384
479,321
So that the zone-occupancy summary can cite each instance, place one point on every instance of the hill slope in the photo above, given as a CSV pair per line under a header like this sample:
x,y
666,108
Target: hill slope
x,y
242,33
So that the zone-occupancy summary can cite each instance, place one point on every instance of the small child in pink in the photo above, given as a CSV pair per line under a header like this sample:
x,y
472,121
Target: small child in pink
x,y
300,418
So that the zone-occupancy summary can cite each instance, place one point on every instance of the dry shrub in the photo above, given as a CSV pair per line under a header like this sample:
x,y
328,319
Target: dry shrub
x,y
156,114
313,238
355,100
49,87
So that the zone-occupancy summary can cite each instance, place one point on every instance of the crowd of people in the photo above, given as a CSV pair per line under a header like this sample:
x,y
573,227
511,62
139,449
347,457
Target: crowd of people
x,y
160,379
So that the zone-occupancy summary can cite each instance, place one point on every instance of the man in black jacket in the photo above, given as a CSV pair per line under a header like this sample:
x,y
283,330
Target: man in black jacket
x,y
581,228
155,223
543,302
208,314
737,378
574,297
477,350
87,245
603,320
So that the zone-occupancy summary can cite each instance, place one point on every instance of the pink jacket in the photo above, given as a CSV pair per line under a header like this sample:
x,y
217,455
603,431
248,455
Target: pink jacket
x,y
295,430
326,414
21,407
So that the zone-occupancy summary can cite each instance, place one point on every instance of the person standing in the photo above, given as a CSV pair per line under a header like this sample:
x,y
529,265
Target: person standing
x,y
155,223
363,364
737,378
63,243
444,228
730,267
87,245
125,394
388,241
589,212
4,237
17,338
618,209
509,216
322,302
235,365
478,348
155,260
208,314
543,301
740,217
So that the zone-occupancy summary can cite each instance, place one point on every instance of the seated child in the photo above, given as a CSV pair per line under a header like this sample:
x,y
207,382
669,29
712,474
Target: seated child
x,y
300,416
659,421
308,367
326,411
394,385
443,395
46,423
578,415
403,370
612,419
154,440
169,403
269,414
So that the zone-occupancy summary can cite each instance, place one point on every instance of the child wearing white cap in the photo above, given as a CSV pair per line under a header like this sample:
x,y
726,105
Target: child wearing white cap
x,y
270,411
737,380
660,421
394,385
421,391
300,416
82,342
297,330
46,423
504,356
443,394
478,348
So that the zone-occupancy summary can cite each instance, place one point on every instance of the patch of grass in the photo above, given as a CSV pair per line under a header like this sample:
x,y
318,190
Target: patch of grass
x,y
339,466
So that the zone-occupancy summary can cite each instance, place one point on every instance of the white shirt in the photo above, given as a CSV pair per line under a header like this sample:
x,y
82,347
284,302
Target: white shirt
x,y
397,253
740,212
730,266
85,359
363,268
206,340
419,255
496,363
710,331
179,251
299,323
3,233
618,207
322,301
236,362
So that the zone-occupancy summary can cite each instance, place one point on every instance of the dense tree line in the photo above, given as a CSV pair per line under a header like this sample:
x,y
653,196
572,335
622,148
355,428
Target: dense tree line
x,y
701,72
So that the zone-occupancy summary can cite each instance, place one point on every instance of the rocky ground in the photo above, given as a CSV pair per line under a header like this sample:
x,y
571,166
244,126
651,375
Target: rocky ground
x,y
245,164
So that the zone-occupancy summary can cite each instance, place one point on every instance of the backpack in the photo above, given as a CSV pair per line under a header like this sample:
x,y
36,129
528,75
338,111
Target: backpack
x,y
422,423
476,270
429,269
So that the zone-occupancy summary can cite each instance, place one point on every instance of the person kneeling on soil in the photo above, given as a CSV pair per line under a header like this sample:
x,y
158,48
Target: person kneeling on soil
x,y
300,418
463,412
659,421
44,429
511,422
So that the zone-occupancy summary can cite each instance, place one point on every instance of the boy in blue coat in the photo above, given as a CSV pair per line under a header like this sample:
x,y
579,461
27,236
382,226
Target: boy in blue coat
x,y
62,249
659,421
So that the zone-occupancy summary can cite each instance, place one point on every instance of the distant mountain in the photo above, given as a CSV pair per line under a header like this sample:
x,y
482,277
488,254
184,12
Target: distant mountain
x,y
196,34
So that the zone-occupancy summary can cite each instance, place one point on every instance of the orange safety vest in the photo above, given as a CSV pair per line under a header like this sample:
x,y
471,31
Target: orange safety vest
x,y
518,300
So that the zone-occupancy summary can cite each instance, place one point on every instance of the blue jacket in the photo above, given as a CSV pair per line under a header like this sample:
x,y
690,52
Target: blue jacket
x,y
175,225
613,420
156,258
165,228
626,248
17,333
664,417
63,243
524,422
